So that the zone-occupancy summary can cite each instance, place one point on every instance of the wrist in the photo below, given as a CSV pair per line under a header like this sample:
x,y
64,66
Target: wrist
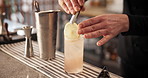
x,y
125,23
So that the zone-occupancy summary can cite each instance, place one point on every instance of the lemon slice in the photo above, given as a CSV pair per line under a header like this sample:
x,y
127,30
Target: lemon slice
x,y
70,31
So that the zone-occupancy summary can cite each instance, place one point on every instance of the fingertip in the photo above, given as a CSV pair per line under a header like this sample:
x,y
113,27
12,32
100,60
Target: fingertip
x,y
72,12
81,2
79,31
85,36
104,40
67,11
77,8
98,44
80,25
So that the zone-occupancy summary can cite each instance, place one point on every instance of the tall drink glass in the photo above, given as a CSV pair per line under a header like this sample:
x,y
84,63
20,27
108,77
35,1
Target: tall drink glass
x,y
73,49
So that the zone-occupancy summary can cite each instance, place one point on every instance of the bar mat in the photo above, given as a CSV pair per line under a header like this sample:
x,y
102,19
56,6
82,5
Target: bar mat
x,y
52,68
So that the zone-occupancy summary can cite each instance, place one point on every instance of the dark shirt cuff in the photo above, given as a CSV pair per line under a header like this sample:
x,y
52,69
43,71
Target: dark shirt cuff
x,y
131,26
138,25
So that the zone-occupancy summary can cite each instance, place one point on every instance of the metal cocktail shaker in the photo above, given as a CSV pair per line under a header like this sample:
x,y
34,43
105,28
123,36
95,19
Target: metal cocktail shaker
x,y
46,24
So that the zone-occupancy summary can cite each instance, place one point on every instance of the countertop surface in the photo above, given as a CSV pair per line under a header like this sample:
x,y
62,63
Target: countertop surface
x,y
14,65
12,68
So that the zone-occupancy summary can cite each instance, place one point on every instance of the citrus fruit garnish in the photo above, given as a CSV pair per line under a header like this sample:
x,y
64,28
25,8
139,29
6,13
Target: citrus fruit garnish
x,y
70,31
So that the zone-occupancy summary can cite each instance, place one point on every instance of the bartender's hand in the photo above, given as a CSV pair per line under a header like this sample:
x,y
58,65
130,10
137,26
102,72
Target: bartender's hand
x,y
107,25
71,6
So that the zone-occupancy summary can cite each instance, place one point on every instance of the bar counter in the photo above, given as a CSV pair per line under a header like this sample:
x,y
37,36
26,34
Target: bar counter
x,y
14,65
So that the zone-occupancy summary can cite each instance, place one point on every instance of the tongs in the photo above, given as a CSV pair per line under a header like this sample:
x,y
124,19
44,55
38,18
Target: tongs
x,y
74,17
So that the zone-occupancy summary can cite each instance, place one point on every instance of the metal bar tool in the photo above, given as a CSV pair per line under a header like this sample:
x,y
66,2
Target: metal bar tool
x,y
28,43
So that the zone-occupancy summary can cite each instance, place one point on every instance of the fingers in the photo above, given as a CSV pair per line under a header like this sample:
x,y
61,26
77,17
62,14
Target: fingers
x,y
104,32
107,25
65,8
92,28
81,2
76,5
89,22
63,5
104,40
96,34
71,6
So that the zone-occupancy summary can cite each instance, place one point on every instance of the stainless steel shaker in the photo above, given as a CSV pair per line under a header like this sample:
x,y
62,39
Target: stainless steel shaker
x,y
46,25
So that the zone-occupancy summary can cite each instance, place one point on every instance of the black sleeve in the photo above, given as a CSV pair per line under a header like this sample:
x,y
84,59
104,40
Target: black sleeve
x,y
138,25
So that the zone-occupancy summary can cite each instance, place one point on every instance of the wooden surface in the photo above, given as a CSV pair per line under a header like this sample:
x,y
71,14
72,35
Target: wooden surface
x,y
52,68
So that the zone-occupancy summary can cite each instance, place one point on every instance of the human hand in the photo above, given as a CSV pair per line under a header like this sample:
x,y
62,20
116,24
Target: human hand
x,y
107,25
71,6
